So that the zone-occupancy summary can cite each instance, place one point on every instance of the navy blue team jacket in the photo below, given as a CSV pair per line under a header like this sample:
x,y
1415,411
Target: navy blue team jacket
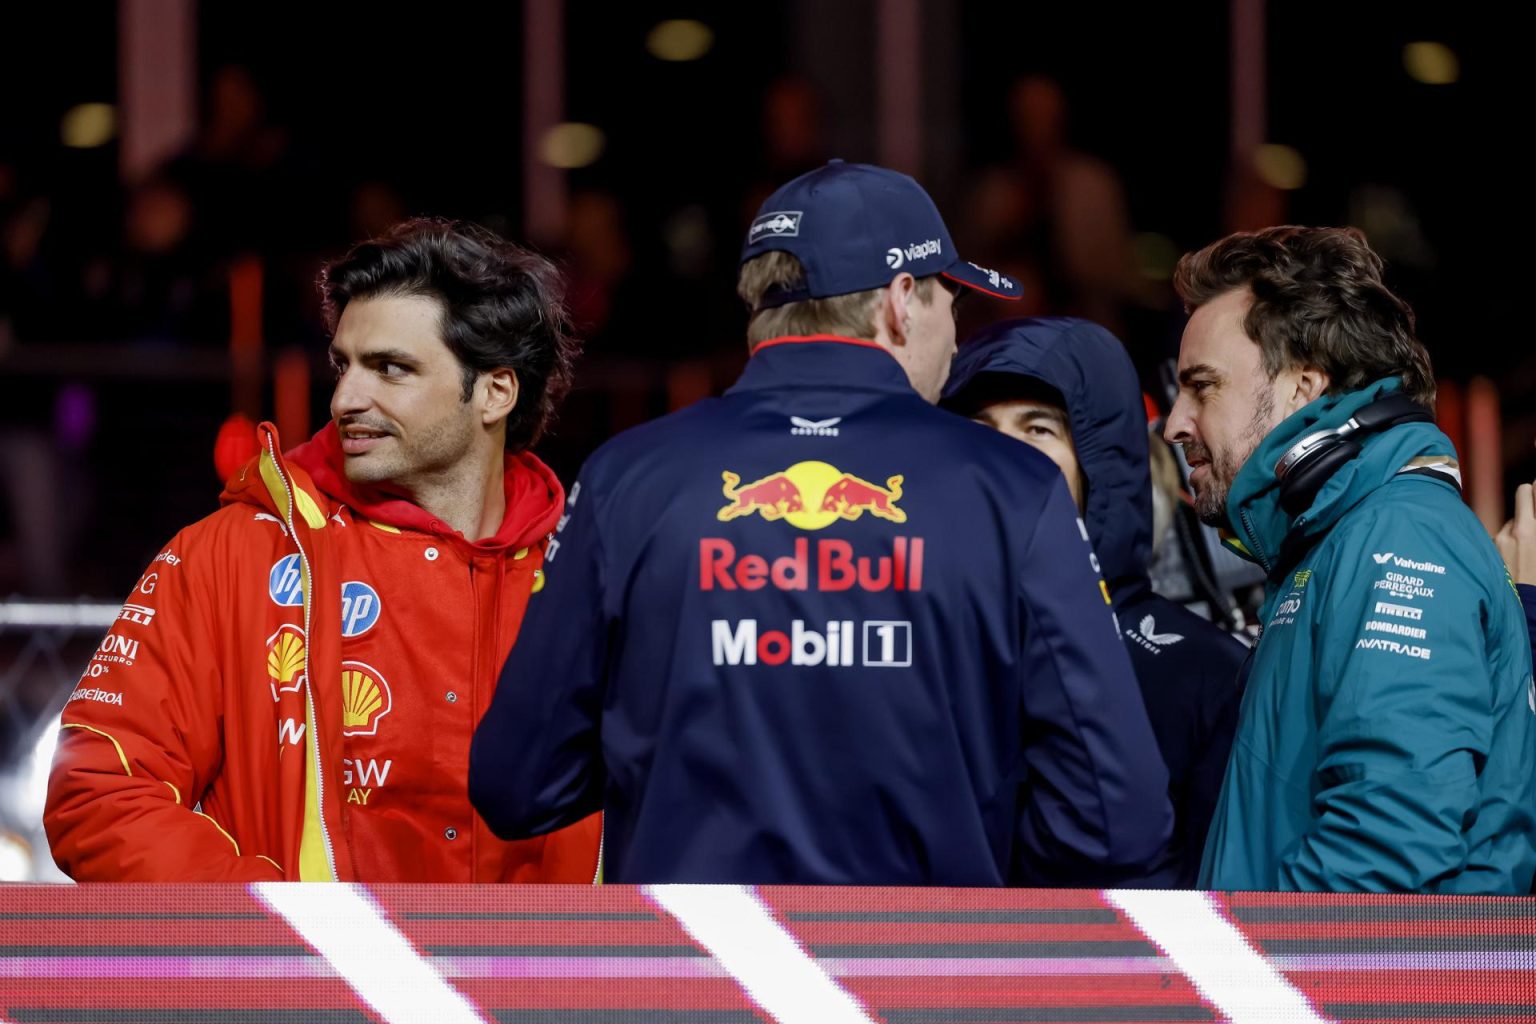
x,y
1187,668
818,631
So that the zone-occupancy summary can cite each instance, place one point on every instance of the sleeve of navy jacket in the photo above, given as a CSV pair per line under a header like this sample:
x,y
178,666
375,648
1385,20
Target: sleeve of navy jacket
x,y
1096,790
535,764
1528,603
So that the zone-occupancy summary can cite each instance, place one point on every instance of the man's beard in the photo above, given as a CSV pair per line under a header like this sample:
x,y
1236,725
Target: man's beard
x,y
1223,465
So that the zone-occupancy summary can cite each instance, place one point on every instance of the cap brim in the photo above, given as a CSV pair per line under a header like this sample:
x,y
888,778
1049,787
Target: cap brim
x,y
997,285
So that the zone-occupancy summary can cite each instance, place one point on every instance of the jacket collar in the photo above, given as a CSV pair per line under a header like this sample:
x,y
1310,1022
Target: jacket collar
x,y
820,360
533,493
1263,532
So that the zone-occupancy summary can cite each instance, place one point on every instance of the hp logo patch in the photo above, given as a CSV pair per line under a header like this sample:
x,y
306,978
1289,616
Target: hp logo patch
x,y
360,608
286,582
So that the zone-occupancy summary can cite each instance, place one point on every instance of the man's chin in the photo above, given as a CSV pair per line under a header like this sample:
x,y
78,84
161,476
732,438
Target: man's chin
x,y
1211,509
1216,519
361,469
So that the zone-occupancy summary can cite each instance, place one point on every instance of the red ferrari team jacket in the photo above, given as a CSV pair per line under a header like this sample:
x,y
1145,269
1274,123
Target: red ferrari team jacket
x,y
291,688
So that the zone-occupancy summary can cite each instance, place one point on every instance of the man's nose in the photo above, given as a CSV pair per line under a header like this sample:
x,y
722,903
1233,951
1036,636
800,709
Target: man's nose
x,y
351,394
1180,426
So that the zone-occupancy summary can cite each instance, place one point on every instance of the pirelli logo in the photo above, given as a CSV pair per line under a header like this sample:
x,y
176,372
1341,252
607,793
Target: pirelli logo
x,y
141,614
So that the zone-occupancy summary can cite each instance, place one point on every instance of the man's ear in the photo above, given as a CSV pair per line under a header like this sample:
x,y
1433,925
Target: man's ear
x,y
497,390
1311,384
895,307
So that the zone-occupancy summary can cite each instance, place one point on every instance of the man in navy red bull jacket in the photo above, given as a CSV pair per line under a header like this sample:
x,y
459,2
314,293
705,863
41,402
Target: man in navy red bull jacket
x,y
1067,387
818,631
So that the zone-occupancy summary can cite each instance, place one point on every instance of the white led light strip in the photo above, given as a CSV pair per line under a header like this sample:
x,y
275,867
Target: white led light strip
x,y
1215,956
744,938
367,952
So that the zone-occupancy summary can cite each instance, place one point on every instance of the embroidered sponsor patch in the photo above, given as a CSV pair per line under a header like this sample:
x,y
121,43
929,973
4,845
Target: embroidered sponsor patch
x,y
360,607
285,583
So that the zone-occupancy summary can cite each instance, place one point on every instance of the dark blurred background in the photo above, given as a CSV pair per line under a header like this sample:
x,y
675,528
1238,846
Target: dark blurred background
x,y
172,174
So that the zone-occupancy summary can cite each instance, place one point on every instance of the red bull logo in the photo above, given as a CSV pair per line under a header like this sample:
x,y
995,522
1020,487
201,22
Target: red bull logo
x,y
811,495
831,566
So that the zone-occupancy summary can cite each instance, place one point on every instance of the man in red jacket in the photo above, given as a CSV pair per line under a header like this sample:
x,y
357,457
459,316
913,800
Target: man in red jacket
x,y
291,689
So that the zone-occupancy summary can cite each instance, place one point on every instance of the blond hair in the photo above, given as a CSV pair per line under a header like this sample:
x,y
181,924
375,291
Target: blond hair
x,y
852,314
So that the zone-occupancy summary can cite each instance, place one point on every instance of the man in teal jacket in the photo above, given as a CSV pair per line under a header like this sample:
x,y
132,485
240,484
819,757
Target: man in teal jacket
x,y
1387,739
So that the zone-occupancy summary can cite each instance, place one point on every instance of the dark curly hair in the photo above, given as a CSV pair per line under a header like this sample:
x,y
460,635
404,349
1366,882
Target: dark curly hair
x,y
503,306
1318,300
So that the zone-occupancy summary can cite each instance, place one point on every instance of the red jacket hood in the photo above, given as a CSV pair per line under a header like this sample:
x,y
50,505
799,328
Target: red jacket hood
x,y
534,496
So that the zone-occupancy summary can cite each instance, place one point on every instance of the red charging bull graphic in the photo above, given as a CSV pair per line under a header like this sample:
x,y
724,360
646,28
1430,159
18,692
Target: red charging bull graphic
x,y
773,496
811,495
851,497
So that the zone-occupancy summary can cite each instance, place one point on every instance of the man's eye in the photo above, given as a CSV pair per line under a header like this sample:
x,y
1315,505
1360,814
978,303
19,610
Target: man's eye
x,y
393,369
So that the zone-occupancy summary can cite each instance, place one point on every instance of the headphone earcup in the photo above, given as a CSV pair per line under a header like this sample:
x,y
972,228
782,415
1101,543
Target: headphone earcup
x,y
1307,477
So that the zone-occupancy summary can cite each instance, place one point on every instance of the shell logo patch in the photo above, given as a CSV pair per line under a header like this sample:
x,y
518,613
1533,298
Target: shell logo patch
x,y
365,698
285,660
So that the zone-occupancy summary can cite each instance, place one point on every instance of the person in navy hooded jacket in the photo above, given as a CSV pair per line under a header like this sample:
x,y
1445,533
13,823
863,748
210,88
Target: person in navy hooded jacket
x,y
818,631
1068,388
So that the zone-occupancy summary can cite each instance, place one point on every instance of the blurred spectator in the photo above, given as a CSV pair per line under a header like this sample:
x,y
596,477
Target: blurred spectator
x,y
32,518
794,126
601,259
234,172
1052,215
374,207
1251,202
154,285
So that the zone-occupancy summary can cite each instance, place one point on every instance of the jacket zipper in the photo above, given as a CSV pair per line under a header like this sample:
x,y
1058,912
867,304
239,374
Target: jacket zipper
x,y
1250,539
309,693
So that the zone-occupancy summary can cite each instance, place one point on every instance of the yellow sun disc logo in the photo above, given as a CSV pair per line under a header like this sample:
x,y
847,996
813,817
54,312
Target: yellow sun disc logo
x,y
811,495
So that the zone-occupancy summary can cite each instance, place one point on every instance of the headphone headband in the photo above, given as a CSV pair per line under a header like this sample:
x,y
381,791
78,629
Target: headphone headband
x,y
1306,465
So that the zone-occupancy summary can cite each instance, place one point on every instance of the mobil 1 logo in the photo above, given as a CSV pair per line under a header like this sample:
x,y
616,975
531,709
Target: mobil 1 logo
x,y
842,643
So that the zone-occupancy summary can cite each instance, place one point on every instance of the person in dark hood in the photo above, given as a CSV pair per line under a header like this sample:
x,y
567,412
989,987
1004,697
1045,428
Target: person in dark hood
x,y
1067,387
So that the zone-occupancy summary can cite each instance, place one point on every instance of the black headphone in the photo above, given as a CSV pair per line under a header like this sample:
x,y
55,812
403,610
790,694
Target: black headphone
x,y
1308,464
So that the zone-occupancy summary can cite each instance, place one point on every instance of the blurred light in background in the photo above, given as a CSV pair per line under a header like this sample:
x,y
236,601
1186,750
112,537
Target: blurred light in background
x,y
1280,167
36,788
88,125
679,40
1156,256
15,858
23,791
1431,63
571,145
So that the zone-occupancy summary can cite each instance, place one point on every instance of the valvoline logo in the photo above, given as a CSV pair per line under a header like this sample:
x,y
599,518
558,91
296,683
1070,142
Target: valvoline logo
x,y
811,495
360,607
285,583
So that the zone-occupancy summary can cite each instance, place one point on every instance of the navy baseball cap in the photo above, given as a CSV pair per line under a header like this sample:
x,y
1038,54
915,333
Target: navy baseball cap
x,y
854,227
